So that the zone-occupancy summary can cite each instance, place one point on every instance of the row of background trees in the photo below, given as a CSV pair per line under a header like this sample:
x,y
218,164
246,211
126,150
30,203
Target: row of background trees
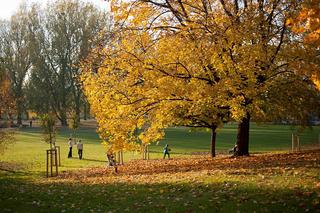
x,y
40,52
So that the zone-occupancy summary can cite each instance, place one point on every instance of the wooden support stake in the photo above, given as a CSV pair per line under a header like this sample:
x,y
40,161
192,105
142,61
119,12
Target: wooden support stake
x,y
122,157
47,168
52,160
58,153
59,156
142,151
56,161
293,141
51,163
145,152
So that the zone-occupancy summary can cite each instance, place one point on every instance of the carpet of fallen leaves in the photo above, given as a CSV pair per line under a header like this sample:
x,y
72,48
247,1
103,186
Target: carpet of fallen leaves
x,y
193,168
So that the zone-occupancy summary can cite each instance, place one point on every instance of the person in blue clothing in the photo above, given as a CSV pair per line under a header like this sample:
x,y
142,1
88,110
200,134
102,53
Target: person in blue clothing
x,y
166,151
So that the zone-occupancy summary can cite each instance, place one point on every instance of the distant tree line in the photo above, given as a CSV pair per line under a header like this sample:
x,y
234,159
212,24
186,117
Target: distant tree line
x,y
41,49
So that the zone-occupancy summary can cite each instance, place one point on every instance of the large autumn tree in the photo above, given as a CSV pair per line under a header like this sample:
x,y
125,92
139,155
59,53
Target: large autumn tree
x,y
192,63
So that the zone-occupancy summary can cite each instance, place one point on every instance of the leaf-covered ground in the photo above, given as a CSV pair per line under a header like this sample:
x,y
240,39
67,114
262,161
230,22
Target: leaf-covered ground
x,y
259,183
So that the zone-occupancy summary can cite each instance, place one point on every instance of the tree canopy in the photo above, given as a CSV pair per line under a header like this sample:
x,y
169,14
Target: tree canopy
x,y
40,51
62,36
15,56
307,23
194,63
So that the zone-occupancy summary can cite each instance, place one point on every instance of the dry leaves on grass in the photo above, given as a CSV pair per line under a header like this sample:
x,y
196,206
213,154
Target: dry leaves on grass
x,y
11,167
159,170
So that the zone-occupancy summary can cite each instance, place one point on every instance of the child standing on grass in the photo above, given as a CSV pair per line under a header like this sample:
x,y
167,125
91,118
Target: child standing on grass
x,y
166,151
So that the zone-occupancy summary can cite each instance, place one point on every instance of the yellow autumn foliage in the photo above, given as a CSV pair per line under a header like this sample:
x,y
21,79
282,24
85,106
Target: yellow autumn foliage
x,y
189,63
307,23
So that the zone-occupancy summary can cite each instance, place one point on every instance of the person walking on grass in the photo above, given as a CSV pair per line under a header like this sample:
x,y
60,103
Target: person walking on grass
x,y
80,149
70,143
166,151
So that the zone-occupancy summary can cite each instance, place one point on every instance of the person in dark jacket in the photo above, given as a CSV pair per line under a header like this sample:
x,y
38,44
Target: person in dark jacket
x,y
166,151
70,143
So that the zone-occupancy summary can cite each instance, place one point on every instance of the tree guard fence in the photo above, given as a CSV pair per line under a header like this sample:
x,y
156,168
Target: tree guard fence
x,y
295,143
120,158
58,153
145,152
52,163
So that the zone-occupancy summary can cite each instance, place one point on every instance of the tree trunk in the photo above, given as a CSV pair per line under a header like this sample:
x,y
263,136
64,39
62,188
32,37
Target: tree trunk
x,y
213,141
63,119
84,110
19,118
88,110
64,122
243,136
27,115
78,110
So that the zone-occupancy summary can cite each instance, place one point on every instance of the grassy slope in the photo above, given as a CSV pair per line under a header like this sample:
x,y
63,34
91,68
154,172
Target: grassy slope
x,y
29,149
260,183
262,138
292,186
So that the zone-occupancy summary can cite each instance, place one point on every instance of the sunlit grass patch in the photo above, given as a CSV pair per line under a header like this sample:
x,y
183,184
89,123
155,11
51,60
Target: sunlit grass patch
x,y
261,183
270,182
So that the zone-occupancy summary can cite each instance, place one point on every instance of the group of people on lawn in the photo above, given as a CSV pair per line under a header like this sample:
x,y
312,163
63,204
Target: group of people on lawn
x,y
79,147
165,150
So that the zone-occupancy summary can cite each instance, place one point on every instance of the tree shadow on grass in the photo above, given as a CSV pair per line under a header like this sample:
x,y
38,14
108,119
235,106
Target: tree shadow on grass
x,y
232,196
93,160
13,169
231,185
88,159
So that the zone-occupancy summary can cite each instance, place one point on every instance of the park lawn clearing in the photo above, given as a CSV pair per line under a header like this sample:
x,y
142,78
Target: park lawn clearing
x,y
195,183
287,182
29,150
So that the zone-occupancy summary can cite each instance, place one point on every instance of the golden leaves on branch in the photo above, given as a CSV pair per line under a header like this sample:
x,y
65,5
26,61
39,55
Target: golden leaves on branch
x,y
166,66
307,23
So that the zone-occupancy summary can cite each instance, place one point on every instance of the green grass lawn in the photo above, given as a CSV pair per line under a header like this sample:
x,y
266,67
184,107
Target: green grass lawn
x,y
29,148
263,138
280,183
216,195
293,186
